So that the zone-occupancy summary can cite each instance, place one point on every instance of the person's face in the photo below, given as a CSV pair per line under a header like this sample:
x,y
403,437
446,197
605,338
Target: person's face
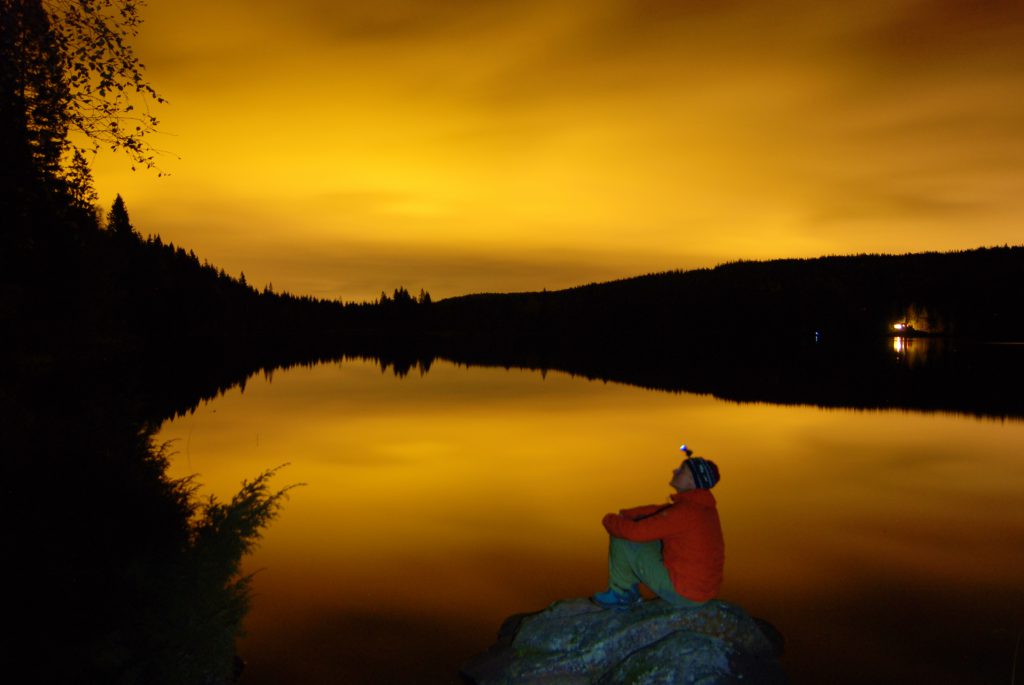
x,y
682,478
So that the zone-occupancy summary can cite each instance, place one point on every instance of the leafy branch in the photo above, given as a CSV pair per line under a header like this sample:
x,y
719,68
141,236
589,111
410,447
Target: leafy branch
x,y
110,101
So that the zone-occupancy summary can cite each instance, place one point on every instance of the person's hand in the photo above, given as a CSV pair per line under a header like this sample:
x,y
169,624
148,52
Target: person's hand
x,y
607,518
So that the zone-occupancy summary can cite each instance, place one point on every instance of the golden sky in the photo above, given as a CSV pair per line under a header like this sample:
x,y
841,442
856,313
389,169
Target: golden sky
x,y
340,148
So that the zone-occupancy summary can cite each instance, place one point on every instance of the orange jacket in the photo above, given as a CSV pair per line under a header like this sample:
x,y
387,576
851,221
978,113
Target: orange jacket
x,y
691,534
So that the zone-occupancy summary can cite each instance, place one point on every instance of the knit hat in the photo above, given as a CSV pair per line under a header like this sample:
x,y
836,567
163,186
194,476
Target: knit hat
x,y
705,472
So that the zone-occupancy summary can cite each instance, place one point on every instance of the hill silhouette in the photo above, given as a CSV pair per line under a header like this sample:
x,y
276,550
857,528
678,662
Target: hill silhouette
x,y
157,321
816,331
969,295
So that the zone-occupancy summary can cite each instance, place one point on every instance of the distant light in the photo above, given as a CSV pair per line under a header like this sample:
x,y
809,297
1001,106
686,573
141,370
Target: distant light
x,y
899,326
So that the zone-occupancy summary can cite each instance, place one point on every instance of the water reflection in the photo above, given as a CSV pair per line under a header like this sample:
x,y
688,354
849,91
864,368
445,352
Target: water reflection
x,y
919,353
899,345
439,503
911,372
116,573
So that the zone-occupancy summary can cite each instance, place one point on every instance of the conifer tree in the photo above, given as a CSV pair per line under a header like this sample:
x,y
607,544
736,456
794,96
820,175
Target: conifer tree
x,y
33,98
66,66
117,220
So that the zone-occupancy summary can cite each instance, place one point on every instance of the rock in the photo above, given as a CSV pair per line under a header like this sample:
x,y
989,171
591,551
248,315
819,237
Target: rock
x,y
575,642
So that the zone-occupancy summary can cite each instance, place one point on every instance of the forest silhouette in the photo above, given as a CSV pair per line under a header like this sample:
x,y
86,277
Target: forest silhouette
x,y
175,330
91,293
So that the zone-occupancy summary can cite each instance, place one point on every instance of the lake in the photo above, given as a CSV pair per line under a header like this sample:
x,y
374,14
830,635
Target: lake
x,y
887,546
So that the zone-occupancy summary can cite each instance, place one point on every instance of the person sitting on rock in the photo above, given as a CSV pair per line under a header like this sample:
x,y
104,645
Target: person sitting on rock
x,y
676,550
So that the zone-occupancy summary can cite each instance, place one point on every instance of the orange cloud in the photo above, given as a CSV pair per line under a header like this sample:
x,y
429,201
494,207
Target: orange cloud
x,y
617,135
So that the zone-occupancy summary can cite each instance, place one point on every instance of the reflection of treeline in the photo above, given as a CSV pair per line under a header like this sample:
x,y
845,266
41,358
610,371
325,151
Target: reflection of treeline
x,y
927,375
791,331
168,326
118,573
967,379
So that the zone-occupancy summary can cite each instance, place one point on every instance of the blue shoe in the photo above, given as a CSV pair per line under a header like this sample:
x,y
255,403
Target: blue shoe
x,y
614,599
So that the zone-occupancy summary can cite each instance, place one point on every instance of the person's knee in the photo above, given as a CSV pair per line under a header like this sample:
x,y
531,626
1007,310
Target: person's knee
x,y
622,548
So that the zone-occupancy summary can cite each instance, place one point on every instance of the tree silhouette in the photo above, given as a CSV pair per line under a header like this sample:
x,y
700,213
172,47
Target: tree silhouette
x,y
109,98
66,66
117,220
33,97
402,298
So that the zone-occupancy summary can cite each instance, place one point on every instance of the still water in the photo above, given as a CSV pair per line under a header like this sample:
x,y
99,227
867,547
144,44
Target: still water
x,y
887,546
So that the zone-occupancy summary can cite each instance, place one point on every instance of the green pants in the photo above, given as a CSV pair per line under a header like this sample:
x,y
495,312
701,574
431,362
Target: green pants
x,y
630,563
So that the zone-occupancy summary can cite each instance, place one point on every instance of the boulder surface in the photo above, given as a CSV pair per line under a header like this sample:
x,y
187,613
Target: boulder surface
x,y
575,642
